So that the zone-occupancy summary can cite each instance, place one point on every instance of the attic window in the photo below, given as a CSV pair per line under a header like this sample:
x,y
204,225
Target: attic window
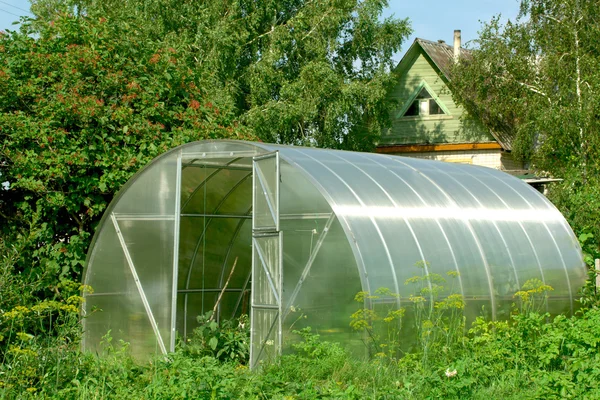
x,y
424,104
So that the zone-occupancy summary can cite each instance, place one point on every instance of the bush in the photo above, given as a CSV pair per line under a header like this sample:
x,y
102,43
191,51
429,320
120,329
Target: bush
x,y
227,341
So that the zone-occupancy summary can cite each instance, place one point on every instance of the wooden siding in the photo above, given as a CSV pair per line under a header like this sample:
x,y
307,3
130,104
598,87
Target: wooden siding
x,y
419,148
432,129
483,158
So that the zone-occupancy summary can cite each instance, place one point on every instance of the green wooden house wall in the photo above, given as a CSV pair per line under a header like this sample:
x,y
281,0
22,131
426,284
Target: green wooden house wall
x,y
416,69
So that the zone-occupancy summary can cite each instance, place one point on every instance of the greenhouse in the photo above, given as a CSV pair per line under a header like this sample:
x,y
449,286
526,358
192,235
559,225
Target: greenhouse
x,y
289,235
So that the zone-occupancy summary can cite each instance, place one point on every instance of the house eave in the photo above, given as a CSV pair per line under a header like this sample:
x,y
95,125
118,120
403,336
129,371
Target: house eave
x,y
423,148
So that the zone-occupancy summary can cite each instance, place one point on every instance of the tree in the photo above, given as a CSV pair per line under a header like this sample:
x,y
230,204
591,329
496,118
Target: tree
x,y
311,72
536,79
84,104
93,90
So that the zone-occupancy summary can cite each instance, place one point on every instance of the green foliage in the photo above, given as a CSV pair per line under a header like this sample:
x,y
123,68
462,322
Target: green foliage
x,y
533,296
300,71
84,105
39,345
536,80
228,340
590,296
527,357
432,320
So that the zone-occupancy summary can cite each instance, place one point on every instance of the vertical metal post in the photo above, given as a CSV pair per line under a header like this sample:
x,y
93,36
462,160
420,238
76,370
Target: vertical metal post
x,y
175,253
280,313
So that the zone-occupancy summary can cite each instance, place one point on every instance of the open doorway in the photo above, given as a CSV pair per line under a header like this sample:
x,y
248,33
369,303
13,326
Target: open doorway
x,y
230,253
215,235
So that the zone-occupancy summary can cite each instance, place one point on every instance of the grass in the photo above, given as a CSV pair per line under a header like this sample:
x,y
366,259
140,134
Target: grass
x,y
526,357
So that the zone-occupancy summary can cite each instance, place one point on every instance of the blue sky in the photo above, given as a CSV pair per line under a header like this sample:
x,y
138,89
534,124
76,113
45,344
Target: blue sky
x,y
436,19
431,19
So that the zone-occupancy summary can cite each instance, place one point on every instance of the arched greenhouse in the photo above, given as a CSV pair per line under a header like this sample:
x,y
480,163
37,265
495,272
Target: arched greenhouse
x,y
307,229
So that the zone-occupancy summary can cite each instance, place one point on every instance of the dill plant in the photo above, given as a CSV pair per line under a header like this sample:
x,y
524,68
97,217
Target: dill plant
x,y
431,320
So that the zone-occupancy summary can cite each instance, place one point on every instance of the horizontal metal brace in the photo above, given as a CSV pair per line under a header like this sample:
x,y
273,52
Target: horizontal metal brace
x,y
262,234
239,216
266,306
143,217
207,290
265,229
265,156
218,154
221,166
108,294
305,216
249,216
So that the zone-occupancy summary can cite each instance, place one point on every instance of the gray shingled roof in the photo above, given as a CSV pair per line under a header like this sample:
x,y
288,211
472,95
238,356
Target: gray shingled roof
x,y
442,55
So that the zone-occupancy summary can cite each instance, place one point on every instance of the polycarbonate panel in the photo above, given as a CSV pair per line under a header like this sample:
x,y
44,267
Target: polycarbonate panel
x,y
130,324
150,246
267,276
141,196
300,198
266,189
449,216
263,336
523,253
115,306
475,275
221,148
107,252
324,299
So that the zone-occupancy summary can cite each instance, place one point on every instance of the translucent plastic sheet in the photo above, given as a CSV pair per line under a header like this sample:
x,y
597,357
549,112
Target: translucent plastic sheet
x,y
350,222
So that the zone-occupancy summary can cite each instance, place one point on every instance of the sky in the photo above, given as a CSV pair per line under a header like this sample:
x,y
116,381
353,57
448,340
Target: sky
x,y
431,19
435,19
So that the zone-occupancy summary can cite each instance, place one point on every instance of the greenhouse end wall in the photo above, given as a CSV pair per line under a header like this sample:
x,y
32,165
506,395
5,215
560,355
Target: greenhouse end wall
x,y
317,227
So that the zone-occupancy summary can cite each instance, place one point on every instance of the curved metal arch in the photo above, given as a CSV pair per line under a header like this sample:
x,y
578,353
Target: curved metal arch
x,y
205,181
471,230
381,237
562,259
455,262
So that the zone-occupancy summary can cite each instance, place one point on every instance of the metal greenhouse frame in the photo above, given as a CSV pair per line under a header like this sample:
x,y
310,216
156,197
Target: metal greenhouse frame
x,y
291,234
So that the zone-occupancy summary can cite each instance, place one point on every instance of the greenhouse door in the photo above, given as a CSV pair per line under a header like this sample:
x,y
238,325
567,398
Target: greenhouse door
x,y
265,319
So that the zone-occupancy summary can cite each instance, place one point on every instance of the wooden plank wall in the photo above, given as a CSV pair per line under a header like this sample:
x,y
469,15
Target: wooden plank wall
x,y
432,129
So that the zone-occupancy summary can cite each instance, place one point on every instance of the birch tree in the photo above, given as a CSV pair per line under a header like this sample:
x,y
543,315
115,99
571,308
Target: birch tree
x,y
537,80
312,72
90,91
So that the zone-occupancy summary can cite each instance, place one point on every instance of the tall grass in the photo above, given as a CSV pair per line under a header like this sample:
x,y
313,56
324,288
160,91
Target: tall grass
x,y
524,357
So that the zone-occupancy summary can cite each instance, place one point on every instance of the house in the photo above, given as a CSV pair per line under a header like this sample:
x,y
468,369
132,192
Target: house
x,y
427,122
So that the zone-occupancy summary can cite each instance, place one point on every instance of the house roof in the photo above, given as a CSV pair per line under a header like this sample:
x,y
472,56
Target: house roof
x,y
441,55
